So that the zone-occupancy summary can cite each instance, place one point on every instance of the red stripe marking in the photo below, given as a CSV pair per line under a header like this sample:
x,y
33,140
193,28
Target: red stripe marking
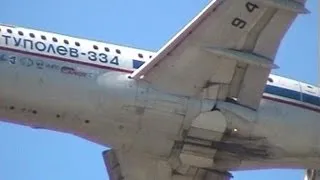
x,y
65,60
292,103
130,71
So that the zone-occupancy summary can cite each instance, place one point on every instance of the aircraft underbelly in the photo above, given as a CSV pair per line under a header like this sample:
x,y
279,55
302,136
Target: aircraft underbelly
x,y
111,109
100,105
292,131
278,135
49,94
292,128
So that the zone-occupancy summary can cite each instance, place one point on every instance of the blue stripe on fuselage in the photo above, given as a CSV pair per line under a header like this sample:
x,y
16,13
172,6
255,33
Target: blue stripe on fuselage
x,y
274,90
292,94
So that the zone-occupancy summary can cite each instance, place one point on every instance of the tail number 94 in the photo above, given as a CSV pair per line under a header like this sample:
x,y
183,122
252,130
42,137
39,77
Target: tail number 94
x,y
101,57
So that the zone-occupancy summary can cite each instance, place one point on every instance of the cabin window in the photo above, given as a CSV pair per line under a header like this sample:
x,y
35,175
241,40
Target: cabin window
x,y
43,37
31,35
106,49
77,43
95,47
9,31
54,39
66,41
20,33
140,55
118,51
150,56
270,80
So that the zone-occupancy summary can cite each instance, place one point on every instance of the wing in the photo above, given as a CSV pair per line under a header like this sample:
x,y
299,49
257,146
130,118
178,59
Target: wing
x,y
227,50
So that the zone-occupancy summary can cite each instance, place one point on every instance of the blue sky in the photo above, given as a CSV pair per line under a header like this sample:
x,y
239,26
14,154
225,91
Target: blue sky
x,y
31,154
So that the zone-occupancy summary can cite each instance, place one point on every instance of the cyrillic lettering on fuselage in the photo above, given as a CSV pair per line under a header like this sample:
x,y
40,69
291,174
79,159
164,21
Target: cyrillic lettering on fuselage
x,y
59,50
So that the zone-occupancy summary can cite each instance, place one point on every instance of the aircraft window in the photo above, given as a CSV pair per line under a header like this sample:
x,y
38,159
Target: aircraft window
x,y
66,41
43,37
311,99
106,49
283,92
31,35
20,33
118,51
150,56
270,79
95,47
54,39
9,31
140,55
77,43
309,87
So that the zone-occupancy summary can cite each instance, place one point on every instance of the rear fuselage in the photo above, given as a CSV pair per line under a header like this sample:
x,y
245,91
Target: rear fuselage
x,y
83,87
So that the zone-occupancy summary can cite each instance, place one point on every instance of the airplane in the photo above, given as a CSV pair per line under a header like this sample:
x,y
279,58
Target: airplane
x,y
203,105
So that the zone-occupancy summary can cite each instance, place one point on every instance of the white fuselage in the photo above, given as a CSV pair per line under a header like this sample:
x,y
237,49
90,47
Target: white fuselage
x,y
83,87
